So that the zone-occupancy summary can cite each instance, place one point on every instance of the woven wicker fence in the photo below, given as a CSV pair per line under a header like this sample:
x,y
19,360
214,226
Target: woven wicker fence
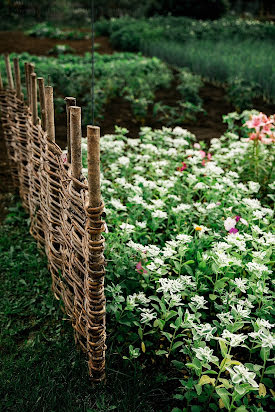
x,y
65,209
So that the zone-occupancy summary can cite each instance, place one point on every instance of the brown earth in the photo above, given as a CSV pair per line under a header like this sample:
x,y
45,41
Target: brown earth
x,y
18,42
118,111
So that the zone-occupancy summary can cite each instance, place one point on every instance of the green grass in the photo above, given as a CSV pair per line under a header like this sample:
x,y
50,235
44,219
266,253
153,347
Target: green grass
x,y
40,367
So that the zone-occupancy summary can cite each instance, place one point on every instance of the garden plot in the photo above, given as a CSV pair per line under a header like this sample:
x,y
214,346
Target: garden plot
x,y
189,254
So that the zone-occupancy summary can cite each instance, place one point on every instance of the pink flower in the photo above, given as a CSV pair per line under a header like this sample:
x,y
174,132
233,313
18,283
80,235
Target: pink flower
x,y
140,269
233,230
64,157
183,167
229,223
209,156
197,146
237,218
202,153
258,121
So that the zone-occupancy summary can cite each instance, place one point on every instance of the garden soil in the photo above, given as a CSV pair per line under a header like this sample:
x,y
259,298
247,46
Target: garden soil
x,y
118,111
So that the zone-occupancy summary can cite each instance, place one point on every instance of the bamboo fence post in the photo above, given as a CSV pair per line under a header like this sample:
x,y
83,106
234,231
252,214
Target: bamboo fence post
x,y
9,72
93,141
75,138
42,98
95,299
30,71
26,66
17,77
34,98
50,113
70,101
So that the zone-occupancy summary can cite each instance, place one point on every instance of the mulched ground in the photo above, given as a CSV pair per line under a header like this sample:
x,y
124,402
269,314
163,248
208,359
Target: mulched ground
x,y
118,111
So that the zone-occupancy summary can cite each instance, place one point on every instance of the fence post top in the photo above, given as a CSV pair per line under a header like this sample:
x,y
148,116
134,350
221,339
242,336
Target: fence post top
x,y
93,129
69,98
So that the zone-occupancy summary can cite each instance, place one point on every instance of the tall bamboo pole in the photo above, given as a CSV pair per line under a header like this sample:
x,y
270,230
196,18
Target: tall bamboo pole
x,y
70,101
9,72
50,113
17,77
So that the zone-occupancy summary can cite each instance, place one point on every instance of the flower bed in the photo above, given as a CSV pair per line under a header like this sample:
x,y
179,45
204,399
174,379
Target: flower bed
x,y
190,257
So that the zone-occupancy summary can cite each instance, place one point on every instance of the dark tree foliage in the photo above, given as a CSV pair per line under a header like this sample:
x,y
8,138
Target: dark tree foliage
x,y
200,9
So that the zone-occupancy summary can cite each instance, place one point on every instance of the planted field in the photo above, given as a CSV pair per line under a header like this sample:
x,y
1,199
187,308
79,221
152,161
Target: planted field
x,y
223,51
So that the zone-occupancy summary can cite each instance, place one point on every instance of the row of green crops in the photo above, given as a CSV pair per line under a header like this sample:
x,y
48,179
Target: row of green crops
x,y
48,30
190,252
237,52
131,76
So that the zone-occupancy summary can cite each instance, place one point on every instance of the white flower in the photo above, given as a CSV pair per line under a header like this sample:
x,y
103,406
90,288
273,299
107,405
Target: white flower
x,y
240,374
159,214
206,331
170,285
243,313
232,339
225,318
147,315
181,208
127,227
229,223
241,284
258,214
199,302
205,354
151,267
257,268
123,161
252,203
254,186
211,206
200,185
178,131
243,221
116,203
184,238
264,323
142,225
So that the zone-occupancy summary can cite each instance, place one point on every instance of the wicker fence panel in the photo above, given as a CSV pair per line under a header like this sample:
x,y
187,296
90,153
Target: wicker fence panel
x,y
65,208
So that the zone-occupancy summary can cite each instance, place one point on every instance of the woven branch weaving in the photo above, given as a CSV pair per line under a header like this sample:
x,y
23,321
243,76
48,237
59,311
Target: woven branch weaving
x,y
65,209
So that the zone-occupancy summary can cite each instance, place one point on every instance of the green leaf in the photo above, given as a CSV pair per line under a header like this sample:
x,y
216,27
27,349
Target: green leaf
x,y
224,395
241,409
140,333
176,345
223,347
161,352
178,364
213,297
198,389
270,370
264,354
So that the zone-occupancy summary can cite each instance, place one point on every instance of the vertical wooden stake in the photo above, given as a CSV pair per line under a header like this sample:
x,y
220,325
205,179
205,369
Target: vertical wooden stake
x,y
17,77
26,66
34,98
9,72
41,88
75,138
70,101
93,141
49,113
30,71
94,297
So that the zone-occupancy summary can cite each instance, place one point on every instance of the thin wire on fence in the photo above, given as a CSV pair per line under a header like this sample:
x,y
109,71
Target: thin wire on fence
x,y
65,209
